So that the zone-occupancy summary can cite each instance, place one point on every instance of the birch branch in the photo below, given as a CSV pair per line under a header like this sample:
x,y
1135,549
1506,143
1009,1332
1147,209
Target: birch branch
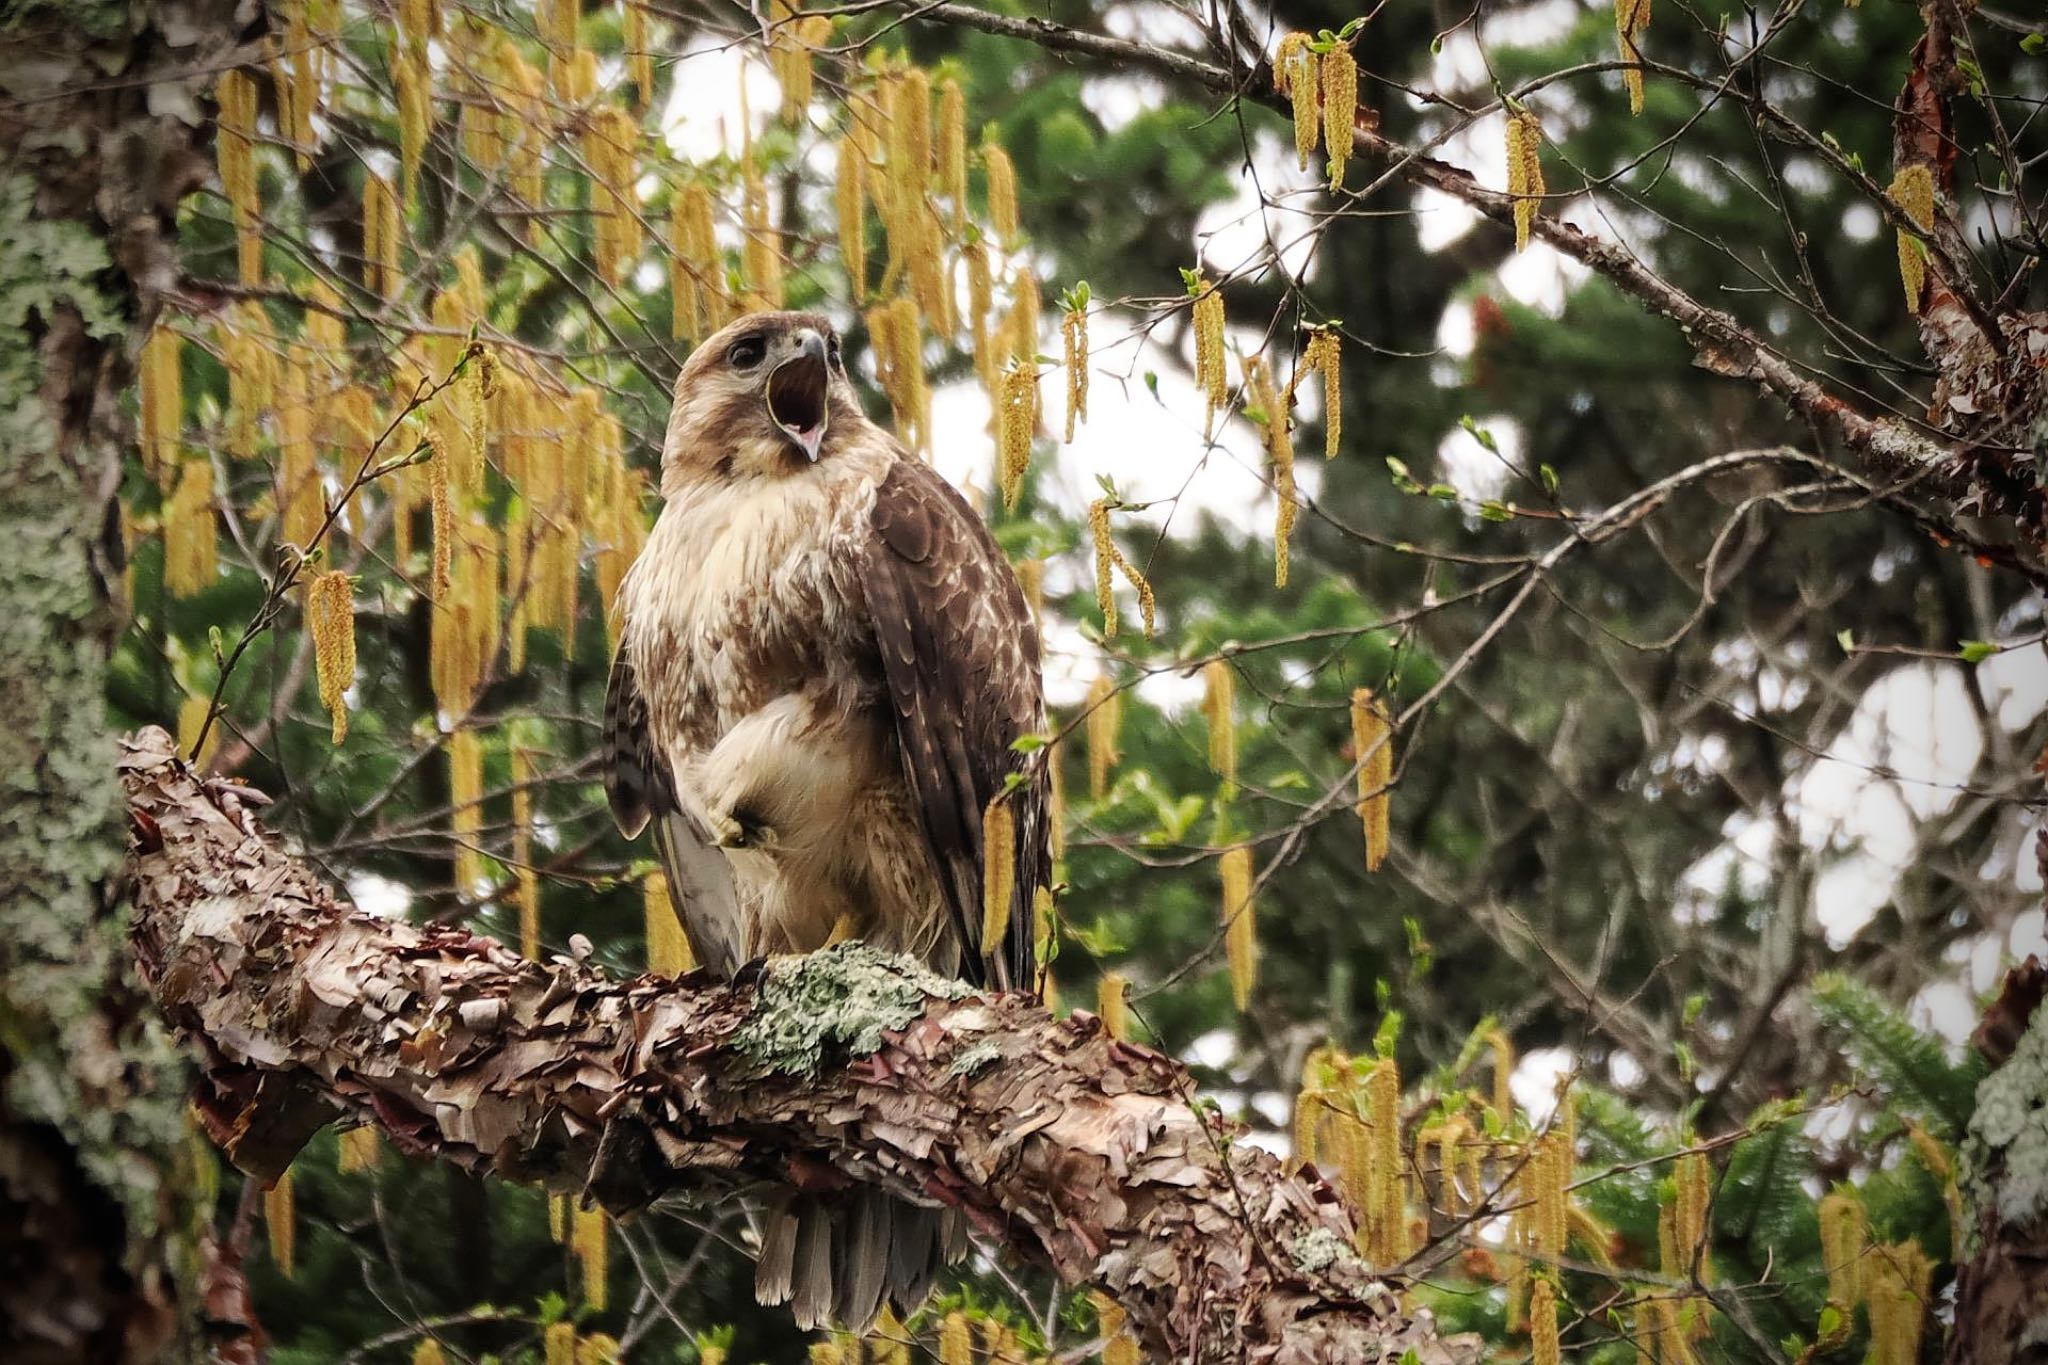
x,y
1062,1145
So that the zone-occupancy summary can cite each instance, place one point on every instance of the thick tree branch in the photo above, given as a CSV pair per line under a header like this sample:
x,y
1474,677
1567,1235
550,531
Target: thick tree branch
x,y
1893,449
1060,1143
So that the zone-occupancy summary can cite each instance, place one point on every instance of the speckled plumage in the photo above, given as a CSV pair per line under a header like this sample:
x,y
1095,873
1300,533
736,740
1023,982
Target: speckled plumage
x,y
823,666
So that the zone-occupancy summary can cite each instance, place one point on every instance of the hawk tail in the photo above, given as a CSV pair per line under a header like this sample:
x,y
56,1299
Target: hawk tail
x,y
837,1258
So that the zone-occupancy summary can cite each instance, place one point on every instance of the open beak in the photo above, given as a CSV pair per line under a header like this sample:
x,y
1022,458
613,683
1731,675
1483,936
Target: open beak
x,y
796,395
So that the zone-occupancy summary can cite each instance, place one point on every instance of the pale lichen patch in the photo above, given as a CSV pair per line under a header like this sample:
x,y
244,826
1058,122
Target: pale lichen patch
x,y
2006,1151
848,994
974,1059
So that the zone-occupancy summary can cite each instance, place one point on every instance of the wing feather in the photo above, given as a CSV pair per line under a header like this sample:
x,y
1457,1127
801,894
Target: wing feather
x,y
642,791
960,653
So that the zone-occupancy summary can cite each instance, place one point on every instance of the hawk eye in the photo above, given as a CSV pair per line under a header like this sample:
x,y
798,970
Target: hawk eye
x,y
746,353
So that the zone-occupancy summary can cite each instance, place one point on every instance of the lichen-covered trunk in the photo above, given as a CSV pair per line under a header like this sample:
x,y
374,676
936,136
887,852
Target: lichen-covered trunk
x,y
2002,1282
1059,1142
100,118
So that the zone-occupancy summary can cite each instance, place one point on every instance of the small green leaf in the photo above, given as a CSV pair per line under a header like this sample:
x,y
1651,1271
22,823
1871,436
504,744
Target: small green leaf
x,y
1443,492
1027,744
1152,382
1493,510
1976,651
1846,638
1549,477
2034,44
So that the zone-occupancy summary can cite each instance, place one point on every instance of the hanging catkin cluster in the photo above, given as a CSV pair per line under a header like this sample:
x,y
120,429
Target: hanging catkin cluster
x,y
1912,189
610,142
526,878
1016,421
466,813
590,1244
999,856
1541,1190
1898,1280
250,355
1631,17
331,615
1279,433
1219,709
696,268
1074,345
1240,923
1323,355
1525,171
296,62
191,539
163,403
383,237
413,80
1340,108
1104,710
1110,560
1209,361
793,38
896,331
760,244
1296,74
1372,742
235,147
1844,1238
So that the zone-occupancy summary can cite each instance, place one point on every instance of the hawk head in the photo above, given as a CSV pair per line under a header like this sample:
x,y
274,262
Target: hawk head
x,y
765,395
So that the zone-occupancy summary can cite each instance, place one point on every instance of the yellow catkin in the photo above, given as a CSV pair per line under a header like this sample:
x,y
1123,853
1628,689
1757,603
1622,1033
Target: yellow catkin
x,y
528,132
163,401
246,349
1324,355
639,54
1340,108
1525,171
1017,416
1548,1180
610,137
1387,1218
527,879
1074,344
598,1348
956,1340
359,1150
1543,1345
1295,75
668,952
1002,194
826,1353
1105,561
1111,1002
235,148
1219,708
1240,923
1372,745
429,1352
465,798
951,148
980,302
590,1240
1844,1235
1104,724
300,499
1897,1279
1631,17
412,79
761,251
1209,371
381,236
999,878
558,1344
331,613
1693,1181
1279,434
441,497
851,206
191,537
1912,189
1119,1347
192,712
292,70
281,1223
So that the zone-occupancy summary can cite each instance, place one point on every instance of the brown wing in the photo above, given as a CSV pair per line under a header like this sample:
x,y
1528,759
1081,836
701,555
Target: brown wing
x,y
641,790
961,657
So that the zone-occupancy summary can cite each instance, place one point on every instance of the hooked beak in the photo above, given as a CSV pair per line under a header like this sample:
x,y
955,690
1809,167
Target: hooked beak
x,y
797,395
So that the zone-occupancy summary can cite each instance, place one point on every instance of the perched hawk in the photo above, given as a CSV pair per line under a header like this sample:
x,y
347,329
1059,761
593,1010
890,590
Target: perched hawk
x,y
824,661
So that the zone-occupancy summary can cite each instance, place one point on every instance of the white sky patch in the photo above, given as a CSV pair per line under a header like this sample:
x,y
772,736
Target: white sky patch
x,y
1535,1078
1474,470
380,896
702,118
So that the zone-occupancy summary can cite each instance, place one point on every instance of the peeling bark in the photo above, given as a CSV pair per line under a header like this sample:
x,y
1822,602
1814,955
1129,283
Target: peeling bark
x,y
100,115
1060,1143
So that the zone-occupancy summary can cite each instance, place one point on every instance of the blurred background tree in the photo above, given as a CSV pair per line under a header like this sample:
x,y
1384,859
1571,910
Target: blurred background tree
x,y
1704,749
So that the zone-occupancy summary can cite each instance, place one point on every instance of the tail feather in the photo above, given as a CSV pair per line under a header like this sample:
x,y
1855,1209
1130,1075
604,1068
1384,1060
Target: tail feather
x,y
836,1259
